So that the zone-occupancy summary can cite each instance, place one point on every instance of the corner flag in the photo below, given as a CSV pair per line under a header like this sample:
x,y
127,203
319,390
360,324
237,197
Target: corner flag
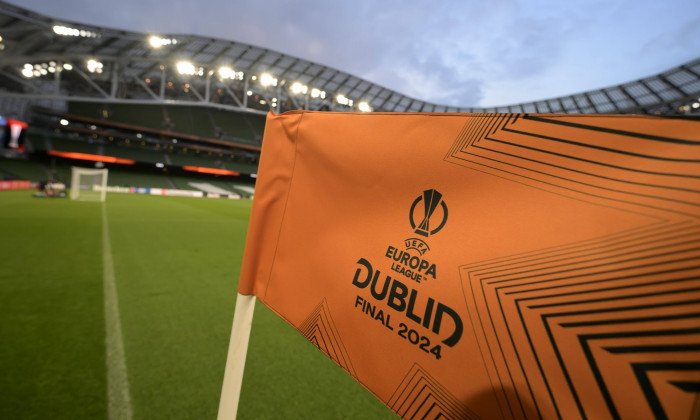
x,y
493,266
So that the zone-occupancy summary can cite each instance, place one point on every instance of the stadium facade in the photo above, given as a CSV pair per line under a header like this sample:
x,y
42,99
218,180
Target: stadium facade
x,y
174,101
112,65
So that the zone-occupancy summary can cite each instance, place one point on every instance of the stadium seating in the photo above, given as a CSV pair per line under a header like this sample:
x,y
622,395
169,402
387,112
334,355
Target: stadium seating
x,y
187,120
22,169
179,159
243,168
74,146
121,178
134,153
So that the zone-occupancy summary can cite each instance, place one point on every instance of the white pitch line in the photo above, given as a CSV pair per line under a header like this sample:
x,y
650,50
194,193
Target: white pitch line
x,y
118,401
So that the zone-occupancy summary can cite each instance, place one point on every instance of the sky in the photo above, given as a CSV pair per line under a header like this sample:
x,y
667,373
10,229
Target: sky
x,y
462,53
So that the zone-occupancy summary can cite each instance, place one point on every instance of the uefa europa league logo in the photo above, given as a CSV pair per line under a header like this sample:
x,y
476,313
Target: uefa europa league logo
x,y
431,199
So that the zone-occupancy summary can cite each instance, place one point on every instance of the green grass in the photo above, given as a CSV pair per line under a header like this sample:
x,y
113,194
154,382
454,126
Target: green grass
x,y
176,263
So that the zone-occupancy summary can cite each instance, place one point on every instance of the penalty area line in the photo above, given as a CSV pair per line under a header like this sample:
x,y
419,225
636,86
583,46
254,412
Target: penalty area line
x,y
118,401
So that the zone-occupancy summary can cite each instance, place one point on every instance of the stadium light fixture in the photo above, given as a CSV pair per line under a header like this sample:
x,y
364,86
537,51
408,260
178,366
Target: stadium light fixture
x,y
157,42
318,93
249,93
343,100
94,66
40,69
63,121
364,106
266,79
68,66
226,72
185,67
28,70
68,31
189,69
299,88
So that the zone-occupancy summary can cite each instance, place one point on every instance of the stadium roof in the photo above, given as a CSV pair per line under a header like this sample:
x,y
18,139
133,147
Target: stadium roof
x,y
43,59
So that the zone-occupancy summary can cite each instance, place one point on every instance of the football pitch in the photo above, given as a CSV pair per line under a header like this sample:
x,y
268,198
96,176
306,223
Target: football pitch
x,y
175,264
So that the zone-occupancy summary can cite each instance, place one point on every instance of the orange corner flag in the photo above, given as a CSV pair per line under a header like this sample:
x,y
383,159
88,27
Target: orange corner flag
x,y
495,266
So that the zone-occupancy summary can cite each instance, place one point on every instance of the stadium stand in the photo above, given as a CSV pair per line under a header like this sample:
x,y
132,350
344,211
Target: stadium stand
x,y
74,146
121,178
135,153
220,75
189,159
22,170
203,122
131,106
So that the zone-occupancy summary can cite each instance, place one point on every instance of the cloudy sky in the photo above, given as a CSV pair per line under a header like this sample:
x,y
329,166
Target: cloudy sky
x,y
468,53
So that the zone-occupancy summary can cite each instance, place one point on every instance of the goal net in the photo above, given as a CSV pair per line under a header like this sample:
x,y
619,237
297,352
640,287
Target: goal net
x,y
88,184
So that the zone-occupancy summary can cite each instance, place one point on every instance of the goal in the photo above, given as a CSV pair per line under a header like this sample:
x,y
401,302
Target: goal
x,y
88,184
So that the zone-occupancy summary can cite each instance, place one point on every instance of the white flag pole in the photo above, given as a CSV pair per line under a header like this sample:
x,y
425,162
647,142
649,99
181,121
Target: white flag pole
x,y
235,361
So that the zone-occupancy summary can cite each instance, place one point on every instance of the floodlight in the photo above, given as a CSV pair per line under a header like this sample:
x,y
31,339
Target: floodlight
x,y
67,31
28,72
266,79
696,105
364,107
249,93
94,66
226,72
343,100
156,42
317,93
185,67
68,66
298,88
63,121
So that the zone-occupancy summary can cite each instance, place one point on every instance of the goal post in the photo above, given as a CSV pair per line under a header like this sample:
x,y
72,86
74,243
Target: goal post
x,y
88,184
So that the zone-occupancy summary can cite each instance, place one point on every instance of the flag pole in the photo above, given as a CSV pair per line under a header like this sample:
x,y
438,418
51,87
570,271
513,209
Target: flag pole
x,y
235,361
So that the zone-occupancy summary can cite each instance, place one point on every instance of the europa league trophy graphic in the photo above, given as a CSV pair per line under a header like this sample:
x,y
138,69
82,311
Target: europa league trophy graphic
x,y
431,200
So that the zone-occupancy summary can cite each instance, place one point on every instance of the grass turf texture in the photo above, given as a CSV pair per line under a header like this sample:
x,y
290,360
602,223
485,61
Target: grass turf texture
x,y
176,263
